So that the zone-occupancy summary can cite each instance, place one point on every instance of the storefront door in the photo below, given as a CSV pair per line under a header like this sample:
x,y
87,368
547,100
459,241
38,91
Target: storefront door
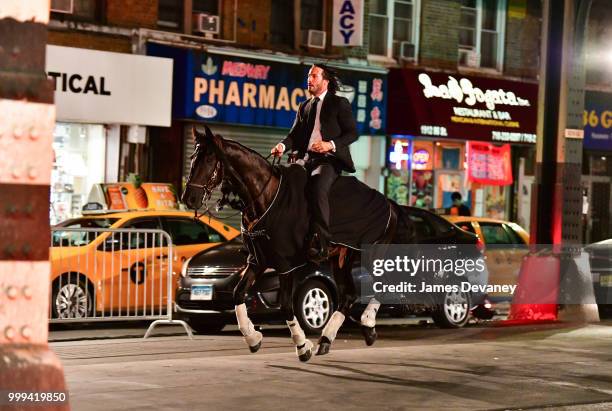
x,y
598,193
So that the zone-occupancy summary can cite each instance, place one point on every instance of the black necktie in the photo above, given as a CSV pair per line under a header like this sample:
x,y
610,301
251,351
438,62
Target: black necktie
x,y
312,115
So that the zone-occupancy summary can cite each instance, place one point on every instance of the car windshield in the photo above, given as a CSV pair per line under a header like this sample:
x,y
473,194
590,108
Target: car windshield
x,y
63,238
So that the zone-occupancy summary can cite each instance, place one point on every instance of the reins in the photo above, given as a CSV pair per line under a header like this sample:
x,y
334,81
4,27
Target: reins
x,y
204,187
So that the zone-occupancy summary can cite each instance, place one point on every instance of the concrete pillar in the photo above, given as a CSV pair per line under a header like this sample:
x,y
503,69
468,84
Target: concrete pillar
x,y
27,118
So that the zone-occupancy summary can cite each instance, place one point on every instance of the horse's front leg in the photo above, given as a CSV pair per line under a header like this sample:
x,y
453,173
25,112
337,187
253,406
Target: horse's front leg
x,y
252,337
303,346
347,295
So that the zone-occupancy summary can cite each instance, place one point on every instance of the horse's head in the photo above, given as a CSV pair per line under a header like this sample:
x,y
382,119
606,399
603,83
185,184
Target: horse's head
x,y
206,170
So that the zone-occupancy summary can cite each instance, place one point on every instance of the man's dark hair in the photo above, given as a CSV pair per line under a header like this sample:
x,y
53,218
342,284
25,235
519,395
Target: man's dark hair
x,y
456,196
330,75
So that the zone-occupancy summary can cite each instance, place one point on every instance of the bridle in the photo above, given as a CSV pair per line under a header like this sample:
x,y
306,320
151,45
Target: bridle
x,y
207,189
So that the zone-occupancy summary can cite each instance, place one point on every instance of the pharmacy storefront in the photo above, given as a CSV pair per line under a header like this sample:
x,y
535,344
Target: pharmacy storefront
x,y
253,98
102,100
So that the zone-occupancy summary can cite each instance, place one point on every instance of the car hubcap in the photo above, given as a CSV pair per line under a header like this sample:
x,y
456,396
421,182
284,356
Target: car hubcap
x,y
315,308
456,306
71,302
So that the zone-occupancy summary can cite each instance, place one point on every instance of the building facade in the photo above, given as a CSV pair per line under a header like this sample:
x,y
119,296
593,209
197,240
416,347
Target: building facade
x,y
463,102
416,148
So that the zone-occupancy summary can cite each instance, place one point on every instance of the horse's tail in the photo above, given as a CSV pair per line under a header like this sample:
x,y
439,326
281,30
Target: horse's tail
x,y
405,232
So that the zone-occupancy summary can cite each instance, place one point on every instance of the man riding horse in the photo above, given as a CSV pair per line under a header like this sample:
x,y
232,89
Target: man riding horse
x,y
323,129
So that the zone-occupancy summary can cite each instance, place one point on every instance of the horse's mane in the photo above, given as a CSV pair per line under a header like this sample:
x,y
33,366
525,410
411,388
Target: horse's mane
x,y
241,147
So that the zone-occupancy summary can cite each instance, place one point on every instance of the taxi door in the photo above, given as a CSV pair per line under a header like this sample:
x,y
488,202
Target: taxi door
x,y
137,264
502,259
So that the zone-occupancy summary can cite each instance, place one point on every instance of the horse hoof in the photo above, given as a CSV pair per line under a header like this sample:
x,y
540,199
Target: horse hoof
x,y
305,351
255,338
323,346
369,333
255,348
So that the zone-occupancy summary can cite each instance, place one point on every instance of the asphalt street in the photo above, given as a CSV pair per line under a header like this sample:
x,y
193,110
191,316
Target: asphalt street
x,y
481,367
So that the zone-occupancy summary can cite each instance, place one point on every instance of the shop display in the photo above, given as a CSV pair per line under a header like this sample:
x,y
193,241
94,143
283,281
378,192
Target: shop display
x,y
79,162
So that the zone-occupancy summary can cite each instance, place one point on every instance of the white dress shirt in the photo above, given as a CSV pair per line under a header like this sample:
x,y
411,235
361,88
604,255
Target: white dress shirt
x,y
316,130
316,137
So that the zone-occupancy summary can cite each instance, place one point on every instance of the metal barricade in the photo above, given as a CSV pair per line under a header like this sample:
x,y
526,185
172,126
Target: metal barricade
x,y
110,274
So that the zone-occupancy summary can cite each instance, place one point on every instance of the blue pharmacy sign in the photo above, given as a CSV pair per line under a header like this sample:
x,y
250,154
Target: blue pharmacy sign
x,y
239,90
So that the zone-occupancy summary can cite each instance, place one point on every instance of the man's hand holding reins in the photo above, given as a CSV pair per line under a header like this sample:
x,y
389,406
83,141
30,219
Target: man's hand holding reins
x,y
278,150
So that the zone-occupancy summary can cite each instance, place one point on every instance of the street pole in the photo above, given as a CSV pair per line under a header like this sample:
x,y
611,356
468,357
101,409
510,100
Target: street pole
x,y
27,119
557,203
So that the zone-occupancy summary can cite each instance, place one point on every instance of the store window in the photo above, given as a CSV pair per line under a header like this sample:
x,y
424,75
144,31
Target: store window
x,y
170,14
189,232
282,23
79,163
481,37
206,6
311,12
394,28
82,10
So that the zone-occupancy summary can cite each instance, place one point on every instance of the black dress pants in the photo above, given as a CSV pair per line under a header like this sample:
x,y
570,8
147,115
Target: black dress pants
x,y
322,172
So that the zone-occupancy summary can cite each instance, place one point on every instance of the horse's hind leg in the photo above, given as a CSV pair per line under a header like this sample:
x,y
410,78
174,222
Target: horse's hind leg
x,y
368,317
303,346
347,295
252,337
368,322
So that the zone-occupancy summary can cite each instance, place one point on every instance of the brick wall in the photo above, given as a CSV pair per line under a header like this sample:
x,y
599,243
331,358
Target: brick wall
x,y
253,27
90,41
439,34
523,39
132,13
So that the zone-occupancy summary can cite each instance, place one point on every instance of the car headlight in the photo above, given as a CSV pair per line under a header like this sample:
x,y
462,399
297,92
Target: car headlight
x,y
184,268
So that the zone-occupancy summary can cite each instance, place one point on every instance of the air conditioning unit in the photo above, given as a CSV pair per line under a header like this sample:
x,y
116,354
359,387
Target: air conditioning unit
x,y
469,58
314,39
407,50
206,23
62,6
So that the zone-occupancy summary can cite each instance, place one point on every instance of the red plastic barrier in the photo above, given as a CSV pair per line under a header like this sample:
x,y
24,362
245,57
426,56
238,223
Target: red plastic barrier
x,y
536,295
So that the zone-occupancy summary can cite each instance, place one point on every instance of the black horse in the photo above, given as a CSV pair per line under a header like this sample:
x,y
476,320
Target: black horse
x,y
274,227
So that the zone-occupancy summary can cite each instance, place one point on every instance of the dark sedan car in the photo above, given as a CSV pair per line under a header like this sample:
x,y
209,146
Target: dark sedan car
x,y
204,297
601,271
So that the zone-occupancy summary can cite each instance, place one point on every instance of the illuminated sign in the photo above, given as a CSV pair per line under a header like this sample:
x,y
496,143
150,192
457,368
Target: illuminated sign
x,y
420,159
347,24
598,120
255,91
399,154
462,107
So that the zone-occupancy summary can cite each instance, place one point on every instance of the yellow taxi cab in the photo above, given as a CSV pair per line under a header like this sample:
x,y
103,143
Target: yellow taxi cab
x,y
505,246
100,273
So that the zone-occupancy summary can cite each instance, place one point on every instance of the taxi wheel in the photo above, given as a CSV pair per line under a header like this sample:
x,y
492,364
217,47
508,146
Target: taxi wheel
x,y
72,298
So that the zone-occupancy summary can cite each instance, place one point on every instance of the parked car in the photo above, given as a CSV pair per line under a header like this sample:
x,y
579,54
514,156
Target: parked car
x,y
204,297
505,246
98,272
600,261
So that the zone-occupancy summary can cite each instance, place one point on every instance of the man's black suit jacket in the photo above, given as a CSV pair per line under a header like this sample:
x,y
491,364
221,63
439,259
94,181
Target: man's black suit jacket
x,y
337,124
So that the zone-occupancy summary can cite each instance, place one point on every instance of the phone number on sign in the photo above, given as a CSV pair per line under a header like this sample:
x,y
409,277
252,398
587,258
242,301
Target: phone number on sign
x,y
16,396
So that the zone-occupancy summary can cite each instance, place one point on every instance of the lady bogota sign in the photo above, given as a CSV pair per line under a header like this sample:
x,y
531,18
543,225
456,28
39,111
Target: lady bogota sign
x,y
263,92
466,107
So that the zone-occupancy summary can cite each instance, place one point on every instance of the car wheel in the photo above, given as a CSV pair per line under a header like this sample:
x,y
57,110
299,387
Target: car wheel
x,y
71,299
205,326
454,312
314,306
